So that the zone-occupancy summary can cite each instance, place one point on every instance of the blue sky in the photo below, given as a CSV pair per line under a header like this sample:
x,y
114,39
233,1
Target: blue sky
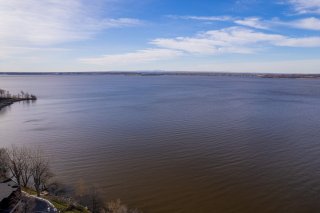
x,y
171,35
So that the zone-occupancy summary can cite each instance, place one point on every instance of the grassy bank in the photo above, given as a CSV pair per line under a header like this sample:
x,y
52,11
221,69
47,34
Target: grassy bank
x,y
60,203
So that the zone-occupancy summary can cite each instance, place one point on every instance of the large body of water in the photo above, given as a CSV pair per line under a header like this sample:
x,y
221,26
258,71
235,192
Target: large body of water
x,y
182,144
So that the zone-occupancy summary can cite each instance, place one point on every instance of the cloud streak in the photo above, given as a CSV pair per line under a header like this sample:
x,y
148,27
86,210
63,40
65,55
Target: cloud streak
x,y
140,56
253,22
310,23
233,40
305,6
306,23
202,18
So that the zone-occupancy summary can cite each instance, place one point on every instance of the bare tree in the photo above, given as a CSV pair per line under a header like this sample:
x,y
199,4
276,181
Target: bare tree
x,y
2,93
8,95
116,207
26,166
40,171
16,162
4,163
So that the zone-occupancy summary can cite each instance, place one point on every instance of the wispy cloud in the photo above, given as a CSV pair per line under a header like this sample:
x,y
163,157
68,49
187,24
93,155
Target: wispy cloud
x,y
253,22
229,40
271,66
311,42
233,40
202,18
311,23
42,24
8,51
236,40
140,56
305,6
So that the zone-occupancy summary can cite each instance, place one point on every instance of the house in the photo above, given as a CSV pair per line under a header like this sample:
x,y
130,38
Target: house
x,y
10,194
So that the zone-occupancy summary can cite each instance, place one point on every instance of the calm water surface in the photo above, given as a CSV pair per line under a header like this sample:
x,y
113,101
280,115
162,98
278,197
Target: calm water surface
x,y
189,144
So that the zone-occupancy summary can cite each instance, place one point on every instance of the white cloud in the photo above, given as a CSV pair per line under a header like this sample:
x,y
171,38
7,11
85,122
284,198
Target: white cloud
x,y
306,6
200,44
253,22
8,51
237,40
310,23
246,65
34,24
306,23
202,18
281,66
229,40
299,42
140,56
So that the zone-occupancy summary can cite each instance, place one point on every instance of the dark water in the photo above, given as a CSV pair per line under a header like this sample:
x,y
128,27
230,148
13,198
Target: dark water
x,y
188,144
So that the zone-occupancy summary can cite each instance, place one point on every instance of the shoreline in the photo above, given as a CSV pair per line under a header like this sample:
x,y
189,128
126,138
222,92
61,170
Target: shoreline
x,y
9,101
5,103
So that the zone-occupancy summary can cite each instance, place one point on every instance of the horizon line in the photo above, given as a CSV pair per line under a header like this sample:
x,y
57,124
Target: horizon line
x,y
159,72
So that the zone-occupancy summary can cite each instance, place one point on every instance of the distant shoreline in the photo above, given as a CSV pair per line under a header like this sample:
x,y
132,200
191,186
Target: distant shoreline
x,y
160,73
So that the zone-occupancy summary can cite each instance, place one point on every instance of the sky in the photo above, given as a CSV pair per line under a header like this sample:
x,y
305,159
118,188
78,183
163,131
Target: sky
x,y
276,36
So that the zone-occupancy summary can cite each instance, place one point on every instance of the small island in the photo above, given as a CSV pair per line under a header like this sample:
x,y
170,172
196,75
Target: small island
x,y
6,98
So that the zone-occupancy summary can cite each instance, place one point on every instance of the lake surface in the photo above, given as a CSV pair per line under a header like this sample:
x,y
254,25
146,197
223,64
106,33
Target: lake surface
x,y
189,144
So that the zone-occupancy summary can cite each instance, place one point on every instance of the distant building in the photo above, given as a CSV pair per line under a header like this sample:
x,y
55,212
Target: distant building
x,y
10,194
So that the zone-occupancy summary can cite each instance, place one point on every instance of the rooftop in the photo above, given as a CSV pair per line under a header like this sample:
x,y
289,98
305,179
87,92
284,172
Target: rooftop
x,y
6,188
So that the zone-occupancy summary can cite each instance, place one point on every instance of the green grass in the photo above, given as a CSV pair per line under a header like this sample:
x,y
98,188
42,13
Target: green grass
x,y
61,205
29,191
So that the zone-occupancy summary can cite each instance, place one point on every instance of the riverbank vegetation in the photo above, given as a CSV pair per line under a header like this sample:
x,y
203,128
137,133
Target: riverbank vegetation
x,y
30,168
6,98
4,94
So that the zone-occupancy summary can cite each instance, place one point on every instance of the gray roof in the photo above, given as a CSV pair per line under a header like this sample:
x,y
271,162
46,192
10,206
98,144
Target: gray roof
x,y
6,188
